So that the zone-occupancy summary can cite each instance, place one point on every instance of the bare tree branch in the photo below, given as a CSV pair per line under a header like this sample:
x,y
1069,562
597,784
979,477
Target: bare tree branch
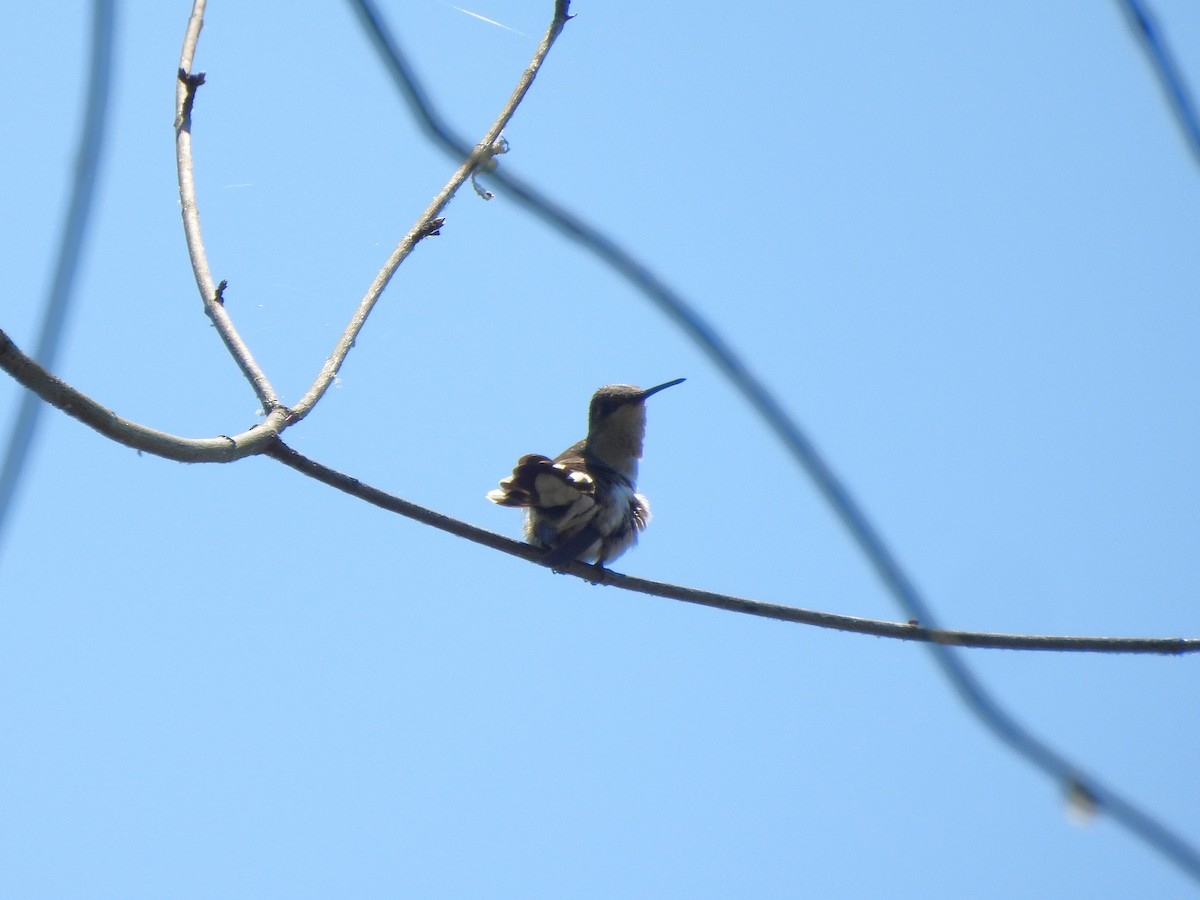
x,y
1170,77
909,632
263,440
425,225
185,96
78,405
477,158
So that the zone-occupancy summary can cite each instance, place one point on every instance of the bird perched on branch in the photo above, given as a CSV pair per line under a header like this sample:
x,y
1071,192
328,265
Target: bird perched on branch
x,y
583,504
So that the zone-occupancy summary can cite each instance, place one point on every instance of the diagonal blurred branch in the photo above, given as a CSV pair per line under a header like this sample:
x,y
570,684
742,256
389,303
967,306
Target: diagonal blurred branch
x,y
279,451
1002,724
87,168
1169,75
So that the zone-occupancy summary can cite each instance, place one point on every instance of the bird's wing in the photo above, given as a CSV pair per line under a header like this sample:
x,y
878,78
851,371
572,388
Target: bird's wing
x,y
540,482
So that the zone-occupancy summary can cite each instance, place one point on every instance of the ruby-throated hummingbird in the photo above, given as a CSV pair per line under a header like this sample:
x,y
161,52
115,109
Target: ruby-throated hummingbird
x,y
583,503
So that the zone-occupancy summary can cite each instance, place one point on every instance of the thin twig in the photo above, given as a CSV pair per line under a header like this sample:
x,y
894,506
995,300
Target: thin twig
x,y
185,96
474,158
1167,646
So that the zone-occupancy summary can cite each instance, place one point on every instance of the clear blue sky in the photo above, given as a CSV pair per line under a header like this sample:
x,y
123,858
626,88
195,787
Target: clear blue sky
x,y
958,240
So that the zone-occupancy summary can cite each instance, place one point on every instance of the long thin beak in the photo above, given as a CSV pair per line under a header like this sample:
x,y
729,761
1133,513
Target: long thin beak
x,y
654,390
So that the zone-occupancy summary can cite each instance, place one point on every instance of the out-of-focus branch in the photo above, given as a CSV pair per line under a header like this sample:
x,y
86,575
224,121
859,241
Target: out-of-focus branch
x,y
476,159
1179,98
210,296
977,699
70,248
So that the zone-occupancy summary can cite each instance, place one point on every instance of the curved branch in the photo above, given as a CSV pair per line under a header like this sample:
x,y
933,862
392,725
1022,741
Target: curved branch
x,y
1170,78
1175,646
264,440
210,294
72,239
978,701
58,393
477,158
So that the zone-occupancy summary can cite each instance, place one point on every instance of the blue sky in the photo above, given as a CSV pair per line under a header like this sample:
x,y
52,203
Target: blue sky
x,y
957,240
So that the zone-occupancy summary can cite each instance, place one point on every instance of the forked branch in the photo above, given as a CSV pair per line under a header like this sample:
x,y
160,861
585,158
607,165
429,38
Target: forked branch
x,y
263,439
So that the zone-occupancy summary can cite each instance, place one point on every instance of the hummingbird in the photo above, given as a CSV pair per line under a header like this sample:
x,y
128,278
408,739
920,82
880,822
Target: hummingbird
x,y
583,504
